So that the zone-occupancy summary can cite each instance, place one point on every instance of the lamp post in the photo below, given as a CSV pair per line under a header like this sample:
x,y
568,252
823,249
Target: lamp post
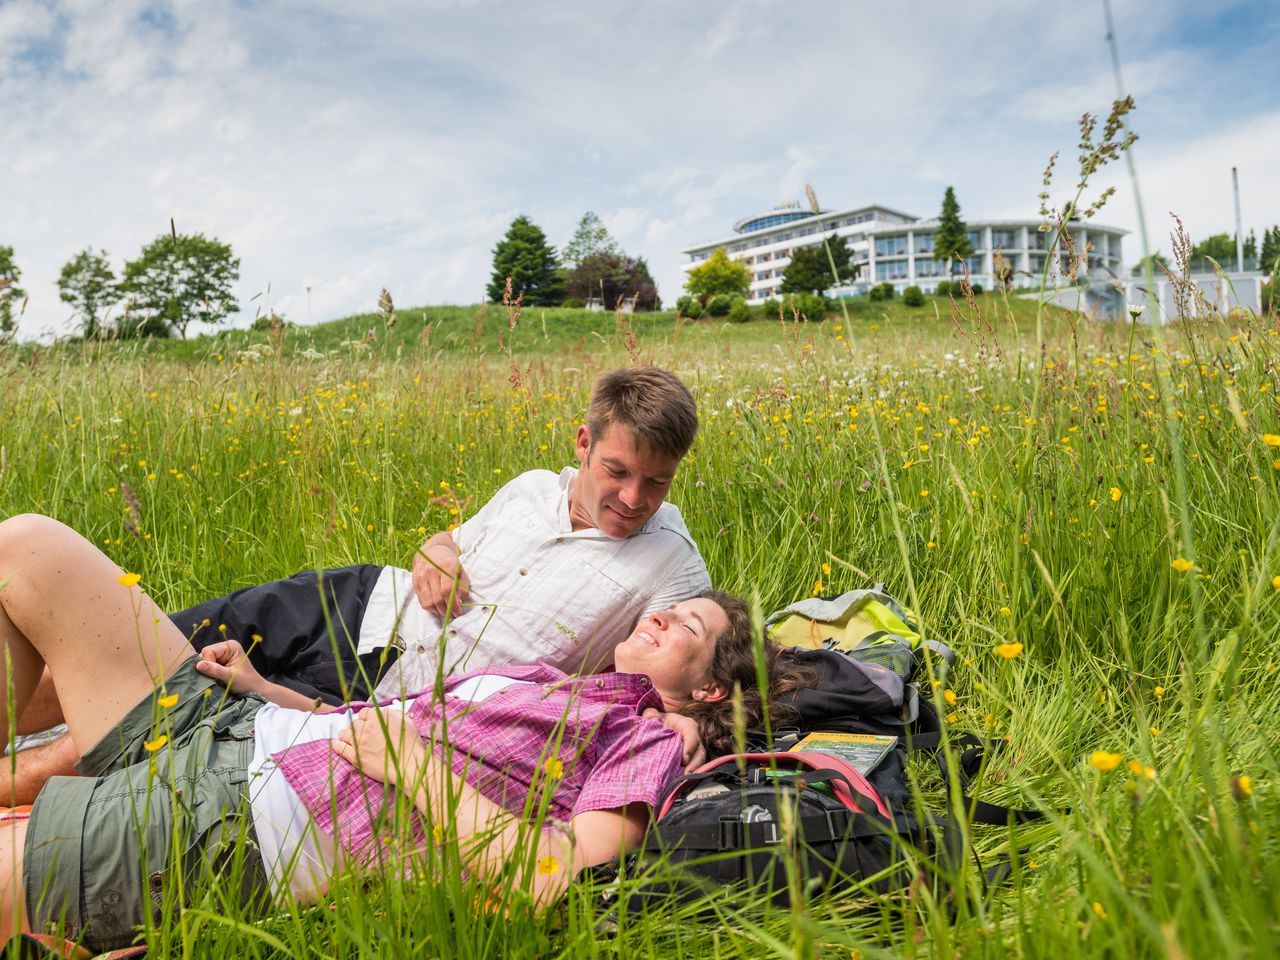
x,y
308,305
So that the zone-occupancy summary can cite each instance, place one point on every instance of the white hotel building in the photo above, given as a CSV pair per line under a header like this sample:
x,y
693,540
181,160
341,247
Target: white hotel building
x,y
895,247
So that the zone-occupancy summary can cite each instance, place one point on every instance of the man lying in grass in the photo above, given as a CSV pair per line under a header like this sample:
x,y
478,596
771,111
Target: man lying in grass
x,y
555,568
175,765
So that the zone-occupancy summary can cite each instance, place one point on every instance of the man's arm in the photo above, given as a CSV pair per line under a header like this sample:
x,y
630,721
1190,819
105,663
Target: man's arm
x,y
227,663
385,746
436,571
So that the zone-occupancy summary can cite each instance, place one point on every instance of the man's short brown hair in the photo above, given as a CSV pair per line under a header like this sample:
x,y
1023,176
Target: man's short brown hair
x,y
652,403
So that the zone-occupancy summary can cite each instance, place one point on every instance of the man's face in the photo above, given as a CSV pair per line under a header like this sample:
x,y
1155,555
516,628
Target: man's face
x,y
621,484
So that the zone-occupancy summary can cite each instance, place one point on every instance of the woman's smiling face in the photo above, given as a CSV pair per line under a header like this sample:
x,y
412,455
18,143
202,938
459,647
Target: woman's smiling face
x,y
674,648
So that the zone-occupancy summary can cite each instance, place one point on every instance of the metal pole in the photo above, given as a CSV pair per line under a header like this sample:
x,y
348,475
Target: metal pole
x,y
1235,189
308,306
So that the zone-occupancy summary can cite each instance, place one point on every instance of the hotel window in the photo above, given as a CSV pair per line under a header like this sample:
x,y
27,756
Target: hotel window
x,y
891,246
1007,239
975,239
924,243
929,267
891,270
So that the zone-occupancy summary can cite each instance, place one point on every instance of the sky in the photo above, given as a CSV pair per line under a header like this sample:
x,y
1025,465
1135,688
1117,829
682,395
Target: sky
x,y
348,147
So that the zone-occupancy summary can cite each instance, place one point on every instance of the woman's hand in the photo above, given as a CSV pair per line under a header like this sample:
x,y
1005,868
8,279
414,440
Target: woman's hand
x,y
694,754
226,662
382,744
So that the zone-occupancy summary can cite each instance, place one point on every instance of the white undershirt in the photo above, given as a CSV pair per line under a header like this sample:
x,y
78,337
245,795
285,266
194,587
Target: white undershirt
x,y
299,856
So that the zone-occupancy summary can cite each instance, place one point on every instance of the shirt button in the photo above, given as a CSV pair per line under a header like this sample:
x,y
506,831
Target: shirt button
x,y
422,648
599,683
524,572
453,633
484,609
644,682
559,539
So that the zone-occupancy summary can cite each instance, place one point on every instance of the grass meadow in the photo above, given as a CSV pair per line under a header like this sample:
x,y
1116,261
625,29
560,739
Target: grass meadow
x,y
1105,495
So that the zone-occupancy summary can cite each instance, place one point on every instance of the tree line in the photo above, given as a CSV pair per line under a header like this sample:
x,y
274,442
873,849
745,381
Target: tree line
x,y
176,279
591,267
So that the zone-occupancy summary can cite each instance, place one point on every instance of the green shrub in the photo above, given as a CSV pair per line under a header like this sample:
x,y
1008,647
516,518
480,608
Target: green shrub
x,y
943,289
692,309
881,291
1270,297
739,312
682,305
807,305
977,290
572,303
719,305
913,296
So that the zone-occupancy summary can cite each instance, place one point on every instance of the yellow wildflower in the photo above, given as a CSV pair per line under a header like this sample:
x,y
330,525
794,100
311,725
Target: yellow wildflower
x,y
553,767
817,587
1242,786
1181,564
154,745
1104,761
1099,910
1275,582
1116,494
1008,650
129,579
169,701
548,866
949,697
1158,691
1138,769
1006,612
952,718
1271,439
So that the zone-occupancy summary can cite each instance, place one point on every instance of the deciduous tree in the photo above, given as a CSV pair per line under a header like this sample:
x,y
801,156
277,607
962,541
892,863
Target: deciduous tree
x,y
611,277
718,275
589,239
88,284
11,295
810,267
524,255
951,237
179,278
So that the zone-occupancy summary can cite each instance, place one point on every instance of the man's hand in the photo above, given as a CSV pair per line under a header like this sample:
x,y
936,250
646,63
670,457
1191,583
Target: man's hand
x,y
226,662
382,744
695,754
435,568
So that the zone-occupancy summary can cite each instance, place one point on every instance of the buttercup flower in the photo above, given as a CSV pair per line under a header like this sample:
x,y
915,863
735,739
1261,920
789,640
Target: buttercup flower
x,y
548,866
1008,650
1116,494
553,767
1271,439
1181,564
169,701
154,745
1104,761
129,579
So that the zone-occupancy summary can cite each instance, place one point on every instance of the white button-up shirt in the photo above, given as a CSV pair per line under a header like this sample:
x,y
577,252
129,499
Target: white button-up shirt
x,y
540,590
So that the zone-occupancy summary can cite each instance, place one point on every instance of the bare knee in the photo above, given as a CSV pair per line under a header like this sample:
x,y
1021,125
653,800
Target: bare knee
x,y
28,529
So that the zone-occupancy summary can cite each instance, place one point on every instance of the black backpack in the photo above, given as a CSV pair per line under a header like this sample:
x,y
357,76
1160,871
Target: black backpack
x,y
785,820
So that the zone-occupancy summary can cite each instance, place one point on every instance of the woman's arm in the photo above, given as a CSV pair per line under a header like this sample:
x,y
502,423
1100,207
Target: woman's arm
x,y
385,746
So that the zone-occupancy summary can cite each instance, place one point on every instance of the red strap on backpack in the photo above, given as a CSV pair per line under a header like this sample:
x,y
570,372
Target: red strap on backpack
x,y
851,787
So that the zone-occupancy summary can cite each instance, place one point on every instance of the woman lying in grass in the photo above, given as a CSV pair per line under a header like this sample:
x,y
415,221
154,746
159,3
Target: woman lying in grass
x,y
175,768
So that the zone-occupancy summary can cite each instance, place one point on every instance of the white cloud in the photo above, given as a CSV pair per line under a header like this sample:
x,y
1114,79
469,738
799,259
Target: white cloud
x,y
350,147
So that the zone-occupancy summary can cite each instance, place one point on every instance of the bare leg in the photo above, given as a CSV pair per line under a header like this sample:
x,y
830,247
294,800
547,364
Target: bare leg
x,y
43,710
13,908
24,775
61,603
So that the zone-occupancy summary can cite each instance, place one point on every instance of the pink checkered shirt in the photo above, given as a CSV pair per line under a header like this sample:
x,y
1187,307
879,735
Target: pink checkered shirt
x,y
562,743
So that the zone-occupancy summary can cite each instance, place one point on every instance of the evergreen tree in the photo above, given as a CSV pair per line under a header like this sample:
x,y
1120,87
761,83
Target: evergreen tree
x,y
178,278
591,238
1270,251
1250,247
11,295
1221,247
88,284
524,255
810,267
718,275
951,238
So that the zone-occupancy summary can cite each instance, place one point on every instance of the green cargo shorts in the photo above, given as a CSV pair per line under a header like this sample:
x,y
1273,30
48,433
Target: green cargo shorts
x,y
103,846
